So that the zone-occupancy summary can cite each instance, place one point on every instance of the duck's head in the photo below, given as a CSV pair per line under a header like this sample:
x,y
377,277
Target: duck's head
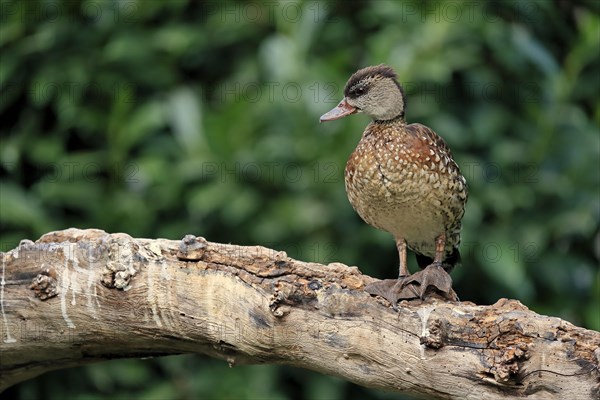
x,y
374,91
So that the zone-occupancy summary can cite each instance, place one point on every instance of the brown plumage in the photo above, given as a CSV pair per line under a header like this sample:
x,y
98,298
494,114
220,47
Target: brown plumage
x,y
402,178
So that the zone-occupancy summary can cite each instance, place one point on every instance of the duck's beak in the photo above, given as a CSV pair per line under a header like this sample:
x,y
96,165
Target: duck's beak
x,y
339,111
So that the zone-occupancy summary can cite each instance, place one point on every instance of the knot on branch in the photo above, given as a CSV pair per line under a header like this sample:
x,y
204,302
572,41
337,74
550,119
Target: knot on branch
x,y
120,267
297,292
435,334
192,248
507,363
44,284
283,290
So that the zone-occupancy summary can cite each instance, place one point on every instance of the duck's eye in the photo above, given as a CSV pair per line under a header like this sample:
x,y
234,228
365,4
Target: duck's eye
x,y
358,91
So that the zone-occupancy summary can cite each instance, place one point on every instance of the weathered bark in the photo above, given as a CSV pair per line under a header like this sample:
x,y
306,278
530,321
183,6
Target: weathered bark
x,y
79,296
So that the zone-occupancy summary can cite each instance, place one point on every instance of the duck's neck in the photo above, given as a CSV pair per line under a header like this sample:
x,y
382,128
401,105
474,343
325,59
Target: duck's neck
x,y
396,120
378,127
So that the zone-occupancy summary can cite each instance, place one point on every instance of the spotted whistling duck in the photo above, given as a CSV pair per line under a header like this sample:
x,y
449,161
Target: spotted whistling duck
x,y
401,178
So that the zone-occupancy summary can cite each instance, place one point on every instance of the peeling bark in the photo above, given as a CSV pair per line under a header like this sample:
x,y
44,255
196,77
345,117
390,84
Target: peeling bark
x,y
81,296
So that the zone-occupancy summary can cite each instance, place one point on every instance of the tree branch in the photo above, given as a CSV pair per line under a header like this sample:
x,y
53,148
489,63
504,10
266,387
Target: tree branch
x,y
80,296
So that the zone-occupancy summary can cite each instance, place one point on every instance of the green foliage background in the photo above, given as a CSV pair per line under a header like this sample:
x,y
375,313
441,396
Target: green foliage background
x,y
163,118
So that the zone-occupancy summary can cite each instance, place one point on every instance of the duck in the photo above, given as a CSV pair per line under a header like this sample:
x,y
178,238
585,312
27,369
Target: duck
x,y
401,178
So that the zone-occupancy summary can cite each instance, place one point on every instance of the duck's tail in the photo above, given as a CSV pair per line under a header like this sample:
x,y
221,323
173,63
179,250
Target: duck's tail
x,y
451,261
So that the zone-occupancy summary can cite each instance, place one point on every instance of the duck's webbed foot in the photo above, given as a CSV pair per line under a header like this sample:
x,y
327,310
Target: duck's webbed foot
x,y
432,279
393,290
422,284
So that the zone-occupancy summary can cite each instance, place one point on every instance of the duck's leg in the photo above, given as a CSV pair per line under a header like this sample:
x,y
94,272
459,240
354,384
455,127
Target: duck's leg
x,y
440,244
394,289
401,246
